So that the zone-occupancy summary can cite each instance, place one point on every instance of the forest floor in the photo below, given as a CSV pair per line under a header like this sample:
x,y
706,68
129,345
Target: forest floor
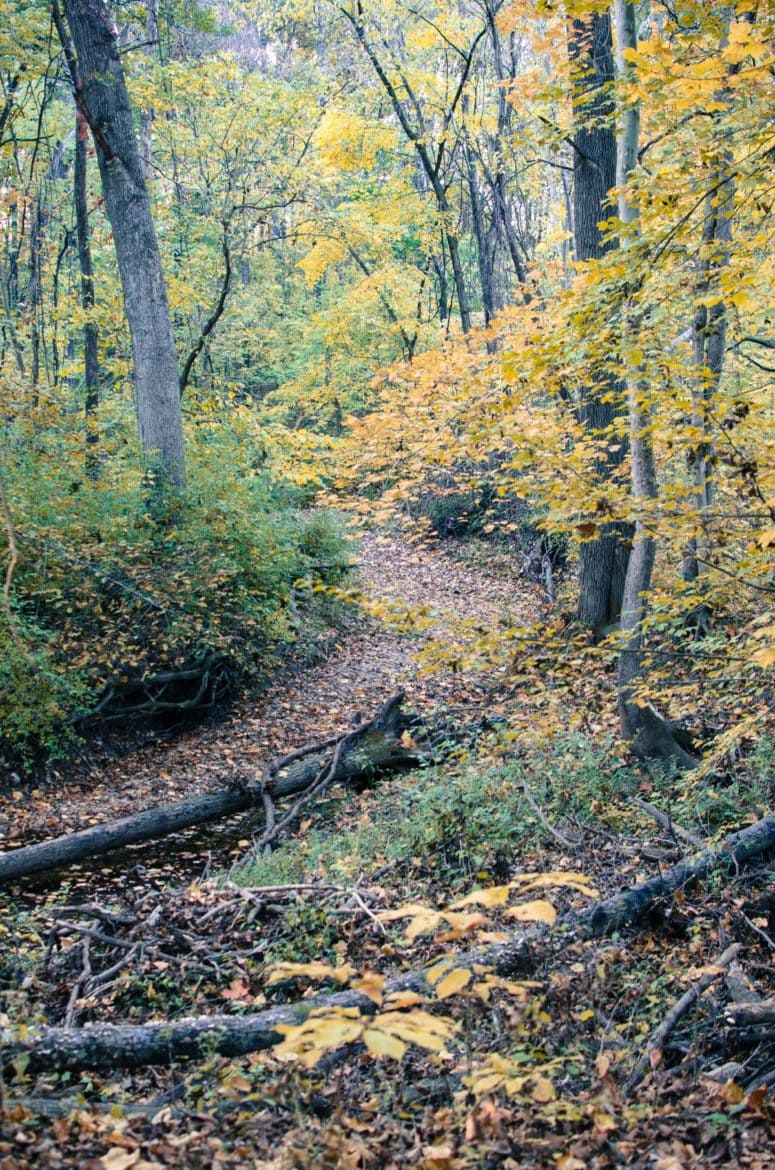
x,y
359,667
558,1047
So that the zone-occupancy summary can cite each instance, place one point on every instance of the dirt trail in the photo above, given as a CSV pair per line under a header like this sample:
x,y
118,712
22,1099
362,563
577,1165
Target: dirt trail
x,y
360,671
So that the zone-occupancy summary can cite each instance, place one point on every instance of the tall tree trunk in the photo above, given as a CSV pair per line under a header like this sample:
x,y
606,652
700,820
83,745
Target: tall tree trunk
x,y
91,364
709,330
480,233
602,561
646,730
147,116
103,101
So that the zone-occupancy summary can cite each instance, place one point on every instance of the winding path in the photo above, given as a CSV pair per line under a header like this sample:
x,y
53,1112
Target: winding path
x,y
359,671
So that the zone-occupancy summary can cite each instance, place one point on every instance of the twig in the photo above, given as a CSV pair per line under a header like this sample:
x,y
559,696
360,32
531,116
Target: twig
x,y
353,893
559,836
668,824
758,930
656,1041
80,982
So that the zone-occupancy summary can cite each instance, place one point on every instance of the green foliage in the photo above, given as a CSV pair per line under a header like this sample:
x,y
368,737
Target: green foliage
x,y
106,599
456,821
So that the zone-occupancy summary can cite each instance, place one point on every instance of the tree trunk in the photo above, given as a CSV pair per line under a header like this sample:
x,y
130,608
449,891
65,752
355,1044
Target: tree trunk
x,y
649,734
91,363
709,329
482,251
102,98
603,560
147,116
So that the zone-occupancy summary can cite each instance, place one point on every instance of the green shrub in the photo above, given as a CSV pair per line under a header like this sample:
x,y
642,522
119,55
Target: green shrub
x,y
112,606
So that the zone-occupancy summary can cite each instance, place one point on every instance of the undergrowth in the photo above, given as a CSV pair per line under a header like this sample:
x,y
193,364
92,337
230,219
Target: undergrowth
x,y
456,819
481,817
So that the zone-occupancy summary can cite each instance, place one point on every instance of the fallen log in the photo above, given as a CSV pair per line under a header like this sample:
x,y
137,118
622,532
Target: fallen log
x,y
747,1015
626,907
104,1047
378,745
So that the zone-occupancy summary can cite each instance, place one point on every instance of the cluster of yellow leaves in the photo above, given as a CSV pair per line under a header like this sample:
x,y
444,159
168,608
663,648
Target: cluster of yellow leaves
x,y
501,1074
388,1033
459,922
400,1020
348,142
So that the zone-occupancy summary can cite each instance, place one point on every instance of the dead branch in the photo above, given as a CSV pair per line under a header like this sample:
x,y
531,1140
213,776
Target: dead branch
x,y
113,1046
656,1041
373,748
668,824
749,1015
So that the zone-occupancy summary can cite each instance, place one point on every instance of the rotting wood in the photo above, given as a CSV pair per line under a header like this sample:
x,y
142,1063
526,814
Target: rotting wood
x,y
747,1015
102,1047
371,748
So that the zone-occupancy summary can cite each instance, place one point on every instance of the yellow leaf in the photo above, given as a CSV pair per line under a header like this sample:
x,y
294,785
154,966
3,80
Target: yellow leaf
x,y
383,1043
371,984
538,911
543,1090
403,999
452,983
494,896
313,970
418,1027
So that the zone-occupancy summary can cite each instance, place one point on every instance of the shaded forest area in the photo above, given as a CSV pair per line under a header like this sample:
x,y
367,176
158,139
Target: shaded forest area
x,y
387,631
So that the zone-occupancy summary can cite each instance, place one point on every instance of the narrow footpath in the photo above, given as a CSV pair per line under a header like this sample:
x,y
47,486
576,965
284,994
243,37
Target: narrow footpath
x,y
362,666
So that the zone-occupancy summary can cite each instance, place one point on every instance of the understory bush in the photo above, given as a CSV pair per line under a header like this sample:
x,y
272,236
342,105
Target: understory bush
x,y
458,822
114,615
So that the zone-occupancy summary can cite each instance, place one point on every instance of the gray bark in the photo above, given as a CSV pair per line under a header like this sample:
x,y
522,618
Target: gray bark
x,y
91,364
709,329
484,259
103,100
147,116
649,734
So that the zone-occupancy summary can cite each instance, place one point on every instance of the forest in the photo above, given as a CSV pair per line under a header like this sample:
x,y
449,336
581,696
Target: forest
x,y
387,627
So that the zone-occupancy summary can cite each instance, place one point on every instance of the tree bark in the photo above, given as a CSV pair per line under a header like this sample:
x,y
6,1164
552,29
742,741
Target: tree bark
x,y
107,1047
709,329
373,748
103,101
91,363
489,304
603,560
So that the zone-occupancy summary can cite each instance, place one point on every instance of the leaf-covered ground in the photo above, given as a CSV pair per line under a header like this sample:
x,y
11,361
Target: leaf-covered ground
x,y
544,1070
